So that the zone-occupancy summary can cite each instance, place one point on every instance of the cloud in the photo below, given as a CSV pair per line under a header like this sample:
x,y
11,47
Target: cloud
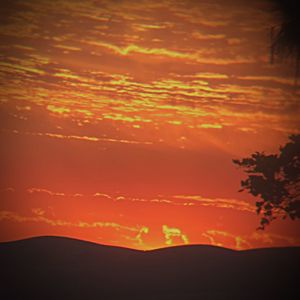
x,y
138,238
40,190
218,202
256,239
39,217
83,138
216,236
132,48
201,36
20,68
275,79
176,200
193,55
38,211
59,110
173,233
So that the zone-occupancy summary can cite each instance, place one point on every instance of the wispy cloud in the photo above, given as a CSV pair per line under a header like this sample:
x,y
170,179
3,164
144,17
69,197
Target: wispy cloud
x,y
218,202
82,138
247,241
39,217
174,200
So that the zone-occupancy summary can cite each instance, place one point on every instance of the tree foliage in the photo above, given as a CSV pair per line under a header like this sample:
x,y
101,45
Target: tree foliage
x,y
285,37
275,180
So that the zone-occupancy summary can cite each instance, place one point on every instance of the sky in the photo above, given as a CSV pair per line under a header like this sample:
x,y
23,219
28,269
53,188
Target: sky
x,y
120,119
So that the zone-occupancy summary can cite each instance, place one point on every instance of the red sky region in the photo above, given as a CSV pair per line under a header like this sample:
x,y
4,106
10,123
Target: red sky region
x,y
120,120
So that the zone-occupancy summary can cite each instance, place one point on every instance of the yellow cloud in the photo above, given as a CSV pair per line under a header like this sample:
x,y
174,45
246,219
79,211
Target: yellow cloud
x,y
214,237
247,241
171,233
218,202
210,126
177,200
22,68
132,48
83,138
193,55
58,109
138,237
86,112
40,218
66,47
175,122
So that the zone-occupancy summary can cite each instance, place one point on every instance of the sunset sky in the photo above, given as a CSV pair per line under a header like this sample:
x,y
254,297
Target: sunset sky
x,y
120,120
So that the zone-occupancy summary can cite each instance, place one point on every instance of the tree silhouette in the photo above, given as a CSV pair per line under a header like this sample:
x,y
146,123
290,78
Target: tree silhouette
x,y
285,38
275,179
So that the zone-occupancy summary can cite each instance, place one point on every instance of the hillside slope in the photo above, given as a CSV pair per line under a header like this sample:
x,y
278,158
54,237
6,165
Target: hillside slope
x,y
63,268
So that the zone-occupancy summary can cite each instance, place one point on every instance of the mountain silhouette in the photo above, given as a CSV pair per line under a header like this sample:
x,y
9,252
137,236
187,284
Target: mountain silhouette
x,y
64,268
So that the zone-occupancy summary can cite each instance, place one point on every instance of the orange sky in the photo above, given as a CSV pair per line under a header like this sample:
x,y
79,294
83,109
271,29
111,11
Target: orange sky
x,y
120,120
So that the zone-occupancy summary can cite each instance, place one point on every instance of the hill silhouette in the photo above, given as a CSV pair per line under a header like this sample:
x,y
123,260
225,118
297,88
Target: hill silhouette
x,y
64,268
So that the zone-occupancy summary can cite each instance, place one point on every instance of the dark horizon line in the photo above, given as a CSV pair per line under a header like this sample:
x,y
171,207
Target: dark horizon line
x,y
57,237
